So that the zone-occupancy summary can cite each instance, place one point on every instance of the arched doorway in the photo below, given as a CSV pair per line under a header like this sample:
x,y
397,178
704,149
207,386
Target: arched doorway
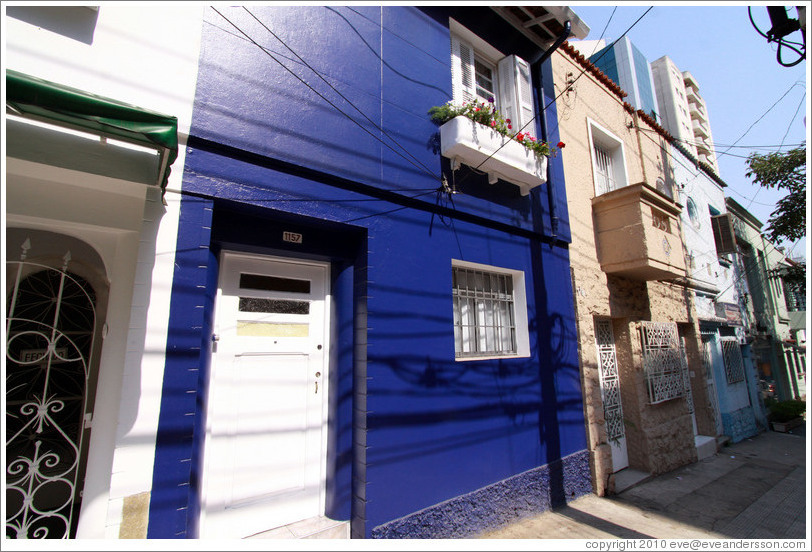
x,y
53,334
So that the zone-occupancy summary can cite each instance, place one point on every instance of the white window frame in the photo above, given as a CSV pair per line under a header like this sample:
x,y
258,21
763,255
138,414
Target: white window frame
x,y
613,146
511,80
522,335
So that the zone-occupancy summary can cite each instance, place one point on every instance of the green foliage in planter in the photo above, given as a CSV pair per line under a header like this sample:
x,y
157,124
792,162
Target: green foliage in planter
x,y
486,114
785,411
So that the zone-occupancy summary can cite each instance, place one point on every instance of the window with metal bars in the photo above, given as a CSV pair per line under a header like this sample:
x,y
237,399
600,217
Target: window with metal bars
x,y
484,313
608,162
604,170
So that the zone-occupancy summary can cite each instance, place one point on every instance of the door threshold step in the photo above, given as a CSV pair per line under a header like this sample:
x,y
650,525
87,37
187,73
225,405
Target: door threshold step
x,y
319,527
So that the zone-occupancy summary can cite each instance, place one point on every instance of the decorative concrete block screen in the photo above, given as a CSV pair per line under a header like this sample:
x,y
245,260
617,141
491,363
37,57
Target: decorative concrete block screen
x,y
734,364
662,363
610,382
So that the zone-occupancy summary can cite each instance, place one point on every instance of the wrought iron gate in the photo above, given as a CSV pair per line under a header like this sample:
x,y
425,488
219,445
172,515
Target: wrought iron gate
x,y
50,329
610,382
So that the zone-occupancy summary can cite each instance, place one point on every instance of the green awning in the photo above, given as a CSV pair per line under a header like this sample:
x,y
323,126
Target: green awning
x,y
50,102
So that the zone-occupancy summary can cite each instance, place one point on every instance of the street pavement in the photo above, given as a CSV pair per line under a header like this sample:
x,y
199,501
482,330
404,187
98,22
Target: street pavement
x,y
754,489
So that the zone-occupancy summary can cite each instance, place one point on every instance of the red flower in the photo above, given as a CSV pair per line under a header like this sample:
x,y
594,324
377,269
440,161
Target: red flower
x,y
561,144
510,126
520,137
477,109
493,123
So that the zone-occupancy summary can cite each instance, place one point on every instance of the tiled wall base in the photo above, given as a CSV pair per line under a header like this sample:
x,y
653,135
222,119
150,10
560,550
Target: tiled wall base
x,y
491,507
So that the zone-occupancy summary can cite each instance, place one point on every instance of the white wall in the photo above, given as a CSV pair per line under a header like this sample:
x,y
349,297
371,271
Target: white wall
x,y
693,183
145,55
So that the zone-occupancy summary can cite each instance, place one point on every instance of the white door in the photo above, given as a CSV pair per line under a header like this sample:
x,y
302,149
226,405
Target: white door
x,y
264,459
610,393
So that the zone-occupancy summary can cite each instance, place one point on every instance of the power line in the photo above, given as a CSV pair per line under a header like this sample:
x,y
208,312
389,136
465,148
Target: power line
x,y
797,83
339,93
265,51
797,109
603,32
533,118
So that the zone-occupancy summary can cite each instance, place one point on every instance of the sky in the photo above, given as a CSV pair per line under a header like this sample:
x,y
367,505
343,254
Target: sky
x,y
752,100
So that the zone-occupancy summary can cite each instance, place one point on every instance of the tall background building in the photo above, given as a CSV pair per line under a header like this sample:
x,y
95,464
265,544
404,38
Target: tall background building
x,y
683,112
622,62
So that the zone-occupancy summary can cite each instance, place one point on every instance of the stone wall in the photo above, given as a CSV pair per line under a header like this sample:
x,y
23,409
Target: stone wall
x,y
659,437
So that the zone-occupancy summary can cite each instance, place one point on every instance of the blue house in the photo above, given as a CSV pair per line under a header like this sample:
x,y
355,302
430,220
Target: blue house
x,y
333,317
349,341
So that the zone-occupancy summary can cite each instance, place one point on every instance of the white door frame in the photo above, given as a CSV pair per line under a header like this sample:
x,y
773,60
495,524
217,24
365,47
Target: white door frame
x,y
226,258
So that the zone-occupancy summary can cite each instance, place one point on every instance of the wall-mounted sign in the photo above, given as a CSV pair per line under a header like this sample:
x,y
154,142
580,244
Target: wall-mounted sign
x,y
292,237
730,312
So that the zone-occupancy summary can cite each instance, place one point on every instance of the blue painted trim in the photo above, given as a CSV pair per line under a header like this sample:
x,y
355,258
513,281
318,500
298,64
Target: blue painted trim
x,y
170,515
496,505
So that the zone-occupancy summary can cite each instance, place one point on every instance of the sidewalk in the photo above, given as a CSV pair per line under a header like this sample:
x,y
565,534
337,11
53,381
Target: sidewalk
x,y
755,489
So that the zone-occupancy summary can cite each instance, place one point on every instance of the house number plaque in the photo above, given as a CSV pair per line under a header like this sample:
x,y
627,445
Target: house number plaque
x,y
292,237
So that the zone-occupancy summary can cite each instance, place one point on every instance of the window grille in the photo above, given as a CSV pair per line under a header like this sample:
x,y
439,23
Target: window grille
x,y
484,318
662,362
610,381
734,364
605,170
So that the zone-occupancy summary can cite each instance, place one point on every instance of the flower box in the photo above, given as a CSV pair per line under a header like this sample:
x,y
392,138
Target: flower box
x,y
784,427
474,144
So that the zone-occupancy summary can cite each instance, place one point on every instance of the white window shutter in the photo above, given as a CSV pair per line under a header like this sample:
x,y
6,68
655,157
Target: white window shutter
x,y
462,71
516,93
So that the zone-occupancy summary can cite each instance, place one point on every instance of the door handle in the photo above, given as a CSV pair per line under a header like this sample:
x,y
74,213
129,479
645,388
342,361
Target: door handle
x,y
318,375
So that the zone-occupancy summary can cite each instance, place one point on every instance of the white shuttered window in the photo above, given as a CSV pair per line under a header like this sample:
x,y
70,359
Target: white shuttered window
x,y
480,72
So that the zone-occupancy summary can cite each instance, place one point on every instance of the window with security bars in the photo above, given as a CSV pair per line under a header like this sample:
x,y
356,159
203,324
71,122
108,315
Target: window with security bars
x,y
734,363
604,171
484,313
608,163
662,361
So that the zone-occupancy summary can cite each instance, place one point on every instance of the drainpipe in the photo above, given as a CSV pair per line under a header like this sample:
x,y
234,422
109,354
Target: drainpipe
x,y
535,67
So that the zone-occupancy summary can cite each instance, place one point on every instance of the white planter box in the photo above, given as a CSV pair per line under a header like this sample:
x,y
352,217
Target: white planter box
x,y
468,142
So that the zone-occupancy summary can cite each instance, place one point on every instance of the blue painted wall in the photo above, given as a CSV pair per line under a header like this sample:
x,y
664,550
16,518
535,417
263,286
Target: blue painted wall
x,y
410,428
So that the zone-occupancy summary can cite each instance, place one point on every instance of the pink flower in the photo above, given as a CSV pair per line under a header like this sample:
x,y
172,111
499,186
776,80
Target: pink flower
x,y
493,124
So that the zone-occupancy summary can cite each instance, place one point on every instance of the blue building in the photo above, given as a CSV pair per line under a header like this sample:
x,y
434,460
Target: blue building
x,y
348,340
279,300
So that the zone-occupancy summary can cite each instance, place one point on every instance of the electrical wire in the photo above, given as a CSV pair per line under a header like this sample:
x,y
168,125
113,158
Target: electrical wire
x,y
781,44
603,32
797,83
533,118
265,51
381,129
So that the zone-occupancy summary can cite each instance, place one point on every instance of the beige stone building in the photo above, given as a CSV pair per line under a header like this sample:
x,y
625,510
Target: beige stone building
x,y
645,391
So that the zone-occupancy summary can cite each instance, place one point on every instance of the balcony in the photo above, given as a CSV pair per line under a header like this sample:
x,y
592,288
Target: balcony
x,y
637,234
699,129
476,145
